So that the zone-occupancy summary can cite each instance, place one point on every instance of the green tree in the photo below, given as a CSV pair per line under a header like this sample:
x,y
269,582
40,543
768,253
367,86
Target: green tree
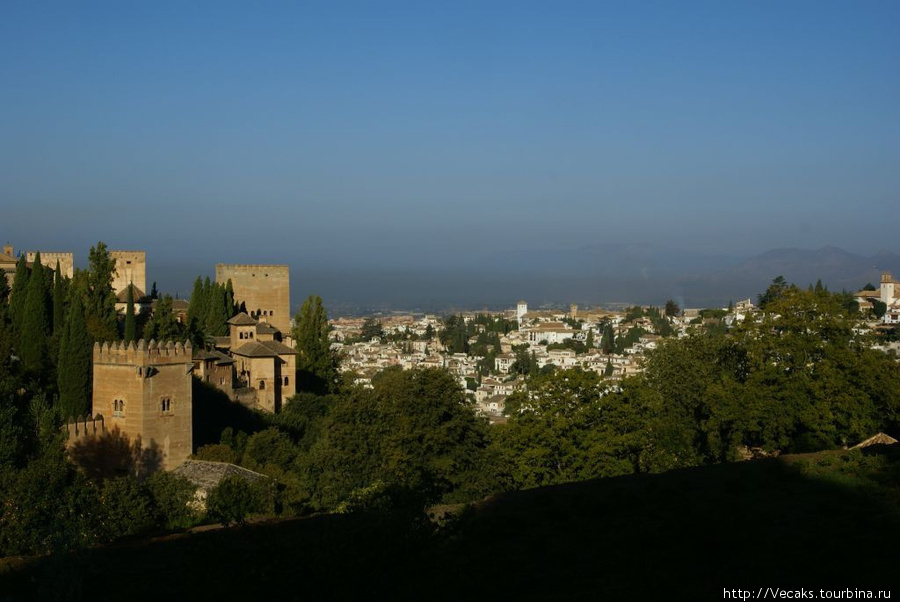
x,y
414,429
589,342
371,329
232,501
130,326
19,294
217,311
776,290
672,309
36,322
229,300
608,341
59,301
163,325
316,364
74,369
879,308
100,299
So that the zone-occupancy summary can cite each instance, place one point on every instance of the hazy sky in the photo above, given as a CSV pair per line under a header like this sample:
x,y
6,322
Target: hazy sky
x,y
437,133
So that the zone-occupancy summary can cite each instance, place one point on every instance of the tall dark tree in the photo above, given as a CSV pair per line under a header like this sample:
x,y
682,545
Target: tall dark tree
x,y
18,294
315,364
74,369
36,321
130,325
4,299
100,301
59,301
197,308
608,342
217,312
229,299
589,342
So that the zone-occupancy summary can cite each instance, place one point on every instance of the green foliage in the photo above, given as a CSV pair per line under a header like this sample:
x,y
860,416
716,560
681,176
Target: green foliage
x,y
48,507
173,498
100,299
776,291
414,429
608,342
455,334
233,500
371,329
672,309
163,325
74,368
879,308
129,507
19,294
569,428
316,364
36,323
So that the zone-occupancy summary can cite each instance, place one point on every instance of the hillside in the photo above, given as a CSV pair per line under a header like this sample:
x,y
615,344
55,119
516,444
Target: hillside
x,y
820,520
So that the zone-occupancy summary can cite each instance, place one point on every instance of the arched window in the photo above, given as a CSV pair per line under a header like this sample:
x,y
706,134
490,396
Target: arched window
x,y
285,381
262,385
118,407
165,405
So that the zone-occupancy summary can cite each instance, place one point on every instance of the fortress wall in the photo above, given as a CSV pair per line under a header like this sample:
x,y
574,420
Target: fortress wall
x,y
49,259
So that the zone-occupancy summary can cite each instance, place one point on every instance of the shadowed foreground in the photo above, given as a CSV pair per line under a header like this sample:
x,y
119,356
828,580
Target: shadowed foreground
x,y
822,520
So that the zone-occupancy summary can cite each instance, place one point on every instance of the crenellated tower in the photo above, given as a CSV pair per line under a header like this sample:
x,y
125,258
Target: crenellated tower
x,y
144,390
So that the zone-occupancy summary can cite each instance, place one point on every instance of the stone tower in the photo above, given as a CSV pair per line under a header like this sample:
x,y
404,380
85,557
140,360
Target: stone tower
x,y
521,310
144,390
131,268
264,289
887,289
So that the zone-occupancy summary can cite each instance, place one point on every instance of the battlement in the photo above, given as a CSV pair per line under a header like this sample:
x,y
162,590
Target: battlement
x,y
81,428
50,258
244,267
143,353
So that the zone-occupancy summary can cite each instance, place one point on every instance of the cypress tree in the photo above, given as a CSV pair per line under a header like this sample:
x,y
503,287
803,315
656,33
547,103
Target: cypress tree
x,y
217,314
195,309
100,303
206,306
59,301
74,371
18,294
229,300
130,327
35,321
4,299
589,343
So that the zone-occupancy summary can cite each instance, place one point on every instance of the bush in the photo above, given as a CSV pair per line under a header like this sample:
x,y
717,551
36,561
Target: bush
x,y
173,497
234,499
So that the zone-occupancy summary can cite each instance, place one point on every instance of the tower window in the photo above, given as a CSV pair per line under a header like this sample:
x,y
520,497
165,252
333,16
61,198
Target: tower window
x,y
262,385
285,381
165,405
118,407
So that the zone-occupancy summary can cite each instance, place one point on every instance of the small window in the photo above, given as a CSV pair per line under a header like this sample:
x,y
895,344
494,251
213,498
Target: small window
x,y
285,381
262,385
165,405
251,335
118,407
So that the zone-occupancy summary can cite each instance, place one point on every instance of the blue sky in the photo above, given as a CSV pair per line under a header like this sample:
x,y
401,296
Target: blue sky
x,y
355,134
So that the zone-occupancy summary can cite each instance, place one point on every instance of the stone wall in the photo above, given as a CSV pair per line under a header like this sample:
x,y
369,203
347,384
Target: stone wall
x,y
49,259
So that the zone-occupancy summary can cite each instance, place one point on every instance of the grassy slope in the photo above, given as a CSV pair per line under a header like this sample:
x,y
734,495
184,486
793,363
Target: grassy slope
x,y
823,519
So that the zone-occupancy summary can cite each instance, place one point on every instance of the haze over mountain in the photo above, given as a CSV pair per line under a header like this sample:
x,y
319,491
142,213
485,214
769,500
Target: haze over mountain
x,y
594,274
